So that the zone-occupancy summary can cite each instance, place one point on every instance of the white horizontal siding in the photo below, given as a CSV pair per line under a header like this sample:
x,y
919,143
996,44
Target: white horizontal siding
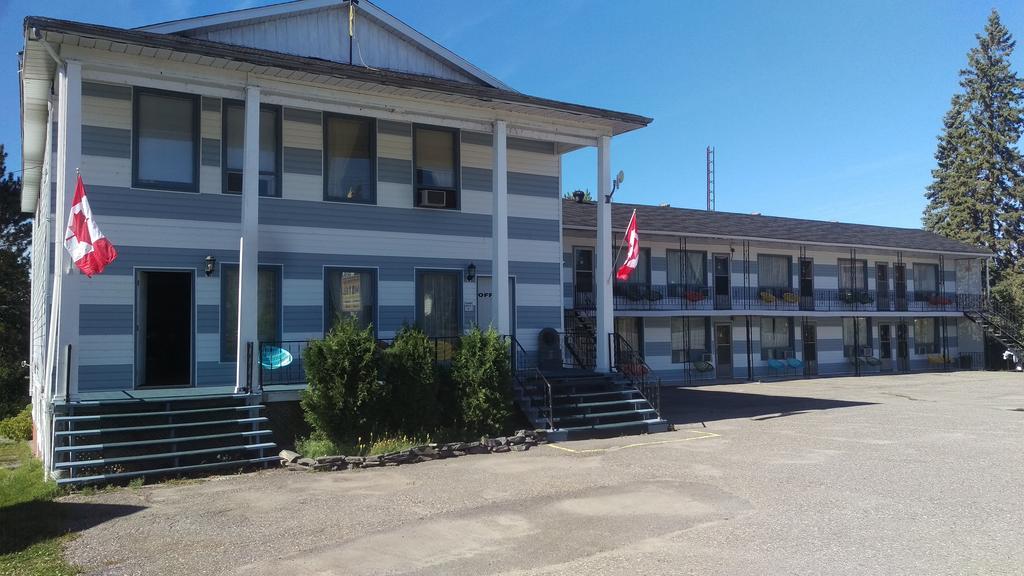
x,y
396,293
106,171
107,112
392,195
207,290
535,250
538,294
302,186
211,179
107,289
476,202
210,124
302,135
476,156
208,347
533,163
394,146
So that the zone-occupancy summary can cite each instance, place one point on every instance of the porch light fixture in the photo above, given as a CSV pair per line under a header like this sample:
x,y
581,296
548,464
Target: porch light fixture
x,y
615,186
470,271
211,263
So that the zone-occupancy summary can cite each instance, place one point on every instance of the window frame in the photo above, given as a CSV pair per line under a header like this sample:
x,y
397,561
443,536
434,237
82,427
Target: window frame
x,y
456,167
456,272
869,338
279,152
923,294
840,276
688,321
681,255
620,251
327,116
328,322
936,336
279,305
790,346
196,100
789,273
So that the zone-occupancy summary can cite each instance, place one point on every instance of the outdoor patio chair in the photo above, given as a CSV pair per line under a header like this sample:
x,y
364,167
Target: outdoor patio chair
x,y
273,357
796,364
776,366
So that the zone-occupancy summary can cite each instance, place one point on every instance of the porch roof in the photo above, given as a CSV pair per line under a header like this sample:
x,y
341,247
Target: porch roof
x,y
669,221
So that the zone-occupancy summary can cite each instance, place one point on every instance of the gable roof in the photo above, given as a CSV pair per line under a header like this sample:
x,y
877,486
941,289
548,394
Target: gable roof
x,y
364,9
701,223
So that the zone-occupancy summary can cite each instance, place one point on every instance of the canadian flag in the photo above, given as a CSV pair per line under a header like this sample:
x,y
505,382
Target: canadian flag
x,y
632,240
89,249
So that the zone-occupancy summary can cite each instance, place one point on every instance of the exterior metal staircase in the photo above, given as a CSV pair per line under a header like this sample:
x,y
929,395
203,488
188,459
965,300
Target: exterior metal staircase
x,y
1000,323
574,404
106,441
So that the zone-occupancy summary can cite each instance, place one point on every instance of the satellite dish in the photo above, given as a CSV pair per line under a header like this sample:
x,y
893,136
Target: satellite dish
x,y
619,178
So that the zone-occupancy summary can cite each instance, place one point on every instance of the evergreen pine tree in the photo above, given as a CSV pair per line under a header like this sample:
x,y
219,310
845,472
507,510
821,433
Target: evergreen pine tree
x,y
977,192
15,235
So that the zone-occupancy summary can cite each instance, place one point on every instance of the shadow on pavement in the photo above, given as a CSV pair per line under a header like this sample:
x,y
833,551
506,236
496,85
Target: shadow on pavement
x,y
695,405
25,523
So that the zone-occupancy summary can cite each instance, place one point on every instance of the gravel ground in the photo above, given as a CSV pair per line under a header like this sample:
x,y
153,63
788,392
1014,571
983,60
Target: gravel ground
x,y
910,474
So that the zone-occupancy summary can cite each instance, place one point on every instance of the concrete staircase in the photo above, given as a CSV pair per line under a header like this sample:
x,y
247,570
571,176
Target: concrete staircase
x,y
108,441
587,405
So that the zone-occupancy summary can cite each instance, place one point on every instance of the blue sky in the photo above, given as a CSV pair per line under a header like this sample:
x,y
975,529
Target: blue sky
x,y
824,110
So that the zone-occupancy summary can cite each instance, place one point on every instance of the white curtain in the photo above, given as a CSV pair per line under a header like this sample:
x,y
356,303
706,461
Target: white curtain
x,y
774,337
773,271
688,338
439,305
853,274
926,277
687,267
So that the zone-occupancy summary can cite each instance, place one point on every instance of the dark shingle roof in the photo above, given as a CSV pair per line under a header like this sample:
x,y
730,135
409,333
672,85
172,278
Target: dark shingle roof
x,y
667,220
283,61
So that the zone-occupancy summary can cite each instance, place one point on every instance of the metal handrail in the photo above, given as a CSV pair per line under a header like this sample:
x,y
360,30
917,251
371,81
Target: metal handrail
x,y
616,343
521,368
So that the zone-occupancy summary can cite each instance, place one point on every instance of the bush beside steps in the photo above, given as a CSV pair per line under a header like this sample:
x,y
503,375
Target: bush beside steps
x,y
521,441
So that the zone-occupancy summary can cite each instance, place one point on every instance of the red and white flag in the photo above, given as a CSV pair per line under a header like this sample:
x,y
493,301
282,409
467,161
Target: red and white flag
x,y
89,249
632,240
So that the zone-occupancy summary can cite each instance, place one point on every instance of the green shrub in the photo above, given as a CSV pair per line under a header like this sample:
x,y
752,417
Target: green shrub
x,y
408,368
19,426
343,398
482,377
314,446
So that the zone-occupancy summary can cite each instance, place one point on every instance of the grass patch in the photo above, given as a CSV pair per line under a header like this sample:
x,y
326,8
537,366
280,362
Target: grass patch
x,y
32,532
314,447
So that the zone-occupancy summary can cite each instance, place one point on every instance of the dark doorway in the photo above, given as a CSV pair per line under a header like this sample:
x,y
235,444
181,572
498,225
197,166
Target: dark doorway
x,y
902,348
809,337
806,284
882,285
722,299
723,351
899,285
163,324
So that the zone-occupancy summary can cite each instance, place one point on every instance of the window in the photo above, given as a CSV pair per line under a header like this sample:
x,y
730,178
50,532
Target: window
x,y
583,278
234,149
642,274
436,160
859,342
689,339
268,302
350,293
853,274
165,140
774,273
776,338
926,335
926,281
350,159
687,268
439,293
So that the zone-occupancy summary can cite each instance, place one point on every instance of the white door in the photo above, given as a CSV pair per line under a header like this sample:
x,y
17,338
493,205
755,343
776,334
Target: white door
x,y
484,299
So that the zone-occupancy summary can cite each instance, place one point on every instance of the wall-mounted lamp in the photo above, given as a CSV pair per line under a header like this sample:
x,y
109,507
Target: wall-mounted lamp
x,y
211,264
470,271
615,186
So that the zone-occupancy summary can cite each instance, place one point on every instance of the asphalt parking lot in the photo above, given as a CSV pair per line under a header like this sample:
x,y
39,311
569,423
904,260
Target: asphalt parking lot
x,y
909,474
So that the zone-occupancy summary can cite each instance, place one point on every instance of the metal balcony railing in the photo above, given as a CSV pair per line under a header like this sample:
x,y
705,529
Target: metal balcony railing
x,y
630,296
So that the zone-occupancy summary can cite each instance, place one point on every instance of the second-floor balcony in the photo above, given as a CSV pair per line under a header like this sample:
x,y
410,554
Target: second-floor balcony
x,y
655,297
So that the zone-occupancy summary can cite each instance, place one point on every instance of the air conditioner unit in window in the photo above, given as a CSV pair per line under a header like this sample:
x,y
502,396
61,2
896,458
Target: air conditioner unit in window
x,y
433,198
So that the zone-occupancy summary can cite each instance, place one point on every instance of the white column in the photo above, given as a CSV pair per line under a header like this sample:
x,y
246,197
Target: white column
x,y
66,275
248,250
499,230
603,282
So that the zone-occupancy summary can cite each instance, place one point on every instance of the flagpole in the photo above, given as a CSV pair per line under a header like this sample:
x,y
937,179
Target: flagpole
x,y
619,251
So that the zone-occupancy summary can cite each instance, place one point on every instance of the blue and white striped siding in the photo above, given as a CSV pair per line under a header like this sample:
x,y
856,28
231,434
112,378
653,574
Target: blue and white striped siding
x,y
302,233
